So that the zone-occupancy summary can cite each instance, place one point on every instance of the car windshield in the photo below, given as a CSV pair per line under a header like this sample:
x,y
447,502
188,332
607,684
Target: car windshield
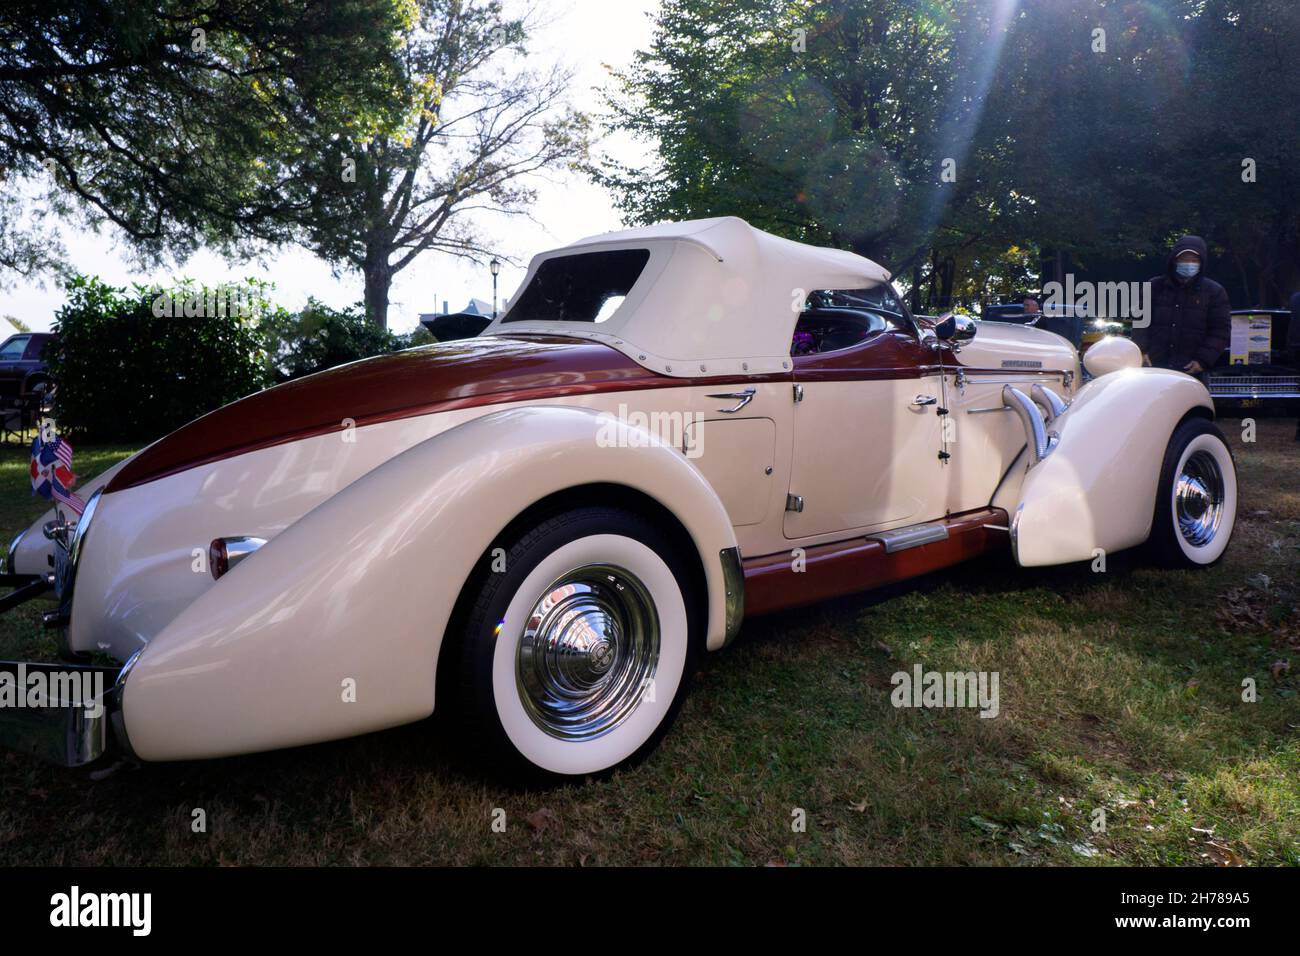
x,y
15,347
879,298
835,319
587,287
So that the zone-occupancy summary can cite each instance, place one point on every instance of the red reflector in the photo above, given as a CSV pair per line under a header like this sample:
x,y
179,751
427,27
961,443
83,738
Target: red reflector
x,y
218,558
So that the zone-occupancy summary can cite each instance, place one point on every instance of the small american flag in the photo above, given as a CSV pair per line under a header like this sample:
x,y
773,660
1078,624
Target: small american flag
x,y
69,498
52,475
63,451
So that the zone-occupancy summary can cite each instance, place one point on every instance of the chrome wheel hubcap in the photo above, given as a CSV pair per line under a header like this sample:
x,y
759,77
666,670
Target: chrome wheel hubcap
x,y
588,652
1199,499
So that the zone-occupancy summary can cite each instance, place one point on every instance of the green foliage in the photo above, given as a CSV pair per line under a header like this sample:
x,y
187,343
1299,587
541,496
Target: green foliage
x,y
124,372
824,121
318,337
134,364
185,121
829,121
417,337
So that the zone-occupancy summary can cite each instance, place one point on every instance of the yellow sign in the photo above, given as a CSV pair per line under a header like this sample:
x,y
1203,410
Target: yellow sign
x,y
1252,340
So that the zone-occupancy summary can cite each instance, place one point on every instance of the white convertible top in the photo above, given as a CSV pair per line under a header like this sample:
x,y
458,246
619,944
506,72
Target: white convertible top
x,y
717,296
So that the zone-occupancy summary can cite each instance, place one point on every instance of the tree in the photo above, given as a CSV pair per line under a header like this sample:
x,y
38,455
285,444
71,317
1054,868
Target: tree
x,y
481,129
184,121
831,122
1101,128
1241,155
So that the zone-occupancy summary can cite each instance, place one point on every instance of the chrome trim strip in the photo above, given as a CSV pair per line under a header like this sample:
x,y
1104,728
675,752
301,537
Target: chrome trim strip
x,y
1015,534
13,550
911,537
733,579
1217,392
743,398
83,527
116,714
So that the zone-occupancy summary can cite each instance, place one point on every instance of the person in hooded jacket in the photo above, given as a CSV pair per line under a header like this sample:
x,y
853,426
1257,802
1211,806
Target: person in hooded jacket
x,y
1191,318
1293,343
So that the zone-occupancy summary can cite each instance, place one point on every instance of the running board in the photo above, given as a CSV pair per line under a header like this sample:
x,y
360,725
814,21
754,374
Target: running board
x,y
775,582
913,536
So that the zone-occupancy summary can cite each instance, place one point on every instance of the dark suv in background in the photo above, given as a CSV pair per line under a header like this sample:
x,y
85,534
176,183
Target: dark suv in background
x,y
23,372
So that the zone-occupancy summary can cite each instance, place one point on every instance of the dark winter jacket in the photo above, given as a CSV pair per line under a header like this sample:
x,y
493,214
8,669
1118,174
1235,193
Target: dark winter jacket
x,y
1189,320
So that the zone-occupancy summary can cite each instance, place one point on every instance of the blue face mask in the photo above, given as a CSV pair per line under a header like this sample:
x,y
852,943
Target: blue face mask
x,y
1188,270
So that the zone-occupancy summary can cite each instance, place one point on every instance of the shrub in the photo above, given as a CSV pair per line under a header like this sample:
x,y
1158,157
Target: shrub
x,y
133,364
318,337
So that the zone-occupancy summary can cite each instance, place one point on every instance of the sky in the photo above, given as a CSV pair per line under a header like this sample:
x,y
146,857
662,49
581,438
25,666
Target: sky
x,y
584,35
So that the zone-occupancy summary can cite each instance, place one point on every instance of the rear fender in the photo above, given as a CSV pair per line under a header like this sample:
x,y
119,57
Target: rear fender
x,y
334,627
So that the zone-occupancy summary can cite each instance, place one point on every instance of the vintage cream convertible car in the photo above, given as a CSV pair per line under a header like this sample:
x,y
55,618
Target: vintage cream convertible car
x,y
536,530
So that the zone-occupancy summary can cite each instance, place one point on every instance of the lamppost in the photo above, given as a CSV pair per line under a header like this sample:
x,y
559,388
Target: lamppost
x,y
495,266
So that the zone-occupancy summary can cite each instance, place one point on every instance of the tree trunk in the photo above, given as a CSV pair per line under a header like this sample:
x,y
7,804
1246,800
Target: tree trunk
x,y
379,278
947,276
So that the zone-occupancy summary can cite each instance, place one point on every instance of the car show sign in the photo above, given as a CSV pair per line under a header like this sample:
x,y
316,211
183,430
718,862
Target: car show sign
x,y
1252,339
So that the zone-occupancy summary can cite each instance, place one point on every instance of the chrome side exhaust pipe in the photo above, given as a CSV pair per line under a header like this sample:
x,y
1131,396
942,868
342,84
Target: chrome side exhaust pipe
x,y
1039,443
1053,405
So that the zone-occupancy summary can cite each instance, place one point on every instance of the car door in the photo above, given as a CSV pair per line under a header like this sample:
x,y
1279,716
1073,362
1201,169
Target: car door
x,y
868,433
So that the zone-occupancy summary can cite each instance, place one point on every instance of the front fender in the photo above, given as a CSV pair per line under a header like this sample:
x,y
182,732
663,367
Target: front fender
x,y
334,627
1097,490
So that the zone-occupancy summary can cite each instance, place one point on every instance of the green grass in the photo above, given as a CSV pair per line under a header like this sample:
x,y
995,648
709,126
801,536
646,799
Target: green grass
x,y
1119,691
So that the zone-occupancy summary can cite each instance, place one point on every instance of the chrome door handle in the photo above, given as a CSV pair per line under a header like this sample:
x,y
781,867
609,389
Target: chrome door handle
x,y
924,400
742,399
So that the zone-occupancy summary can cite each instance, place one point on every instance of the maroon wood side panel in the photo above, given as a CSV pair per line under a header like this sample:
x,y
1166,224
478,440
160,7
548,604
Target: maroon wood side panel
x,y
859,564
463,374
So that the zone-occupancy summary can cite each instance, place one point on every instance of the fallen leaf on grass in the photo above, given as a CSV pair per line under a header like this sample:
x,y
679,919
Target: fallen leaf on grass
x,y
1222,855
539,820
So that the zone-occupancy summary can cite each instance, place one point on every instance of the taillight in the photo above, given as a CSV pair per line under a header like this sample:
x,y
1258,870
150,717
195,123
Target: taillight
x,y
225,553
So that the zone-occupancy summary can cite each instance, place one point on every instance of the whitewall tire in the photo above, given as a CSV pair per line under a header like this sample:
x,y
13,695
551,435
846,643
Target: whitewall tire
x,y
1196,503
576,657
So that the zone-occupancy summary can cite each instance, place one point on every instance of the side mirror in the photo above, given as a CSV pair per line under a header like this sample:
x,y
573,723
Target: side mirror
x,y
955,328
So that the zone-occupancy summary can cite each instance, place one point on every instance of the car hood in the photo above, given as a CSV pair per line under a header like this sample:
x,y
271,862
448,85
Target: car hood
x,y
480,371
1004,345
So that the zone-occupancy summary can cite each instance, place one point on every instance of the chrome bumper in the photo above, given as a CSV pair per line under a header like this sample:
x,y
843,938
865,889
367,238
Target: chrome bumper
x,y
62,713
